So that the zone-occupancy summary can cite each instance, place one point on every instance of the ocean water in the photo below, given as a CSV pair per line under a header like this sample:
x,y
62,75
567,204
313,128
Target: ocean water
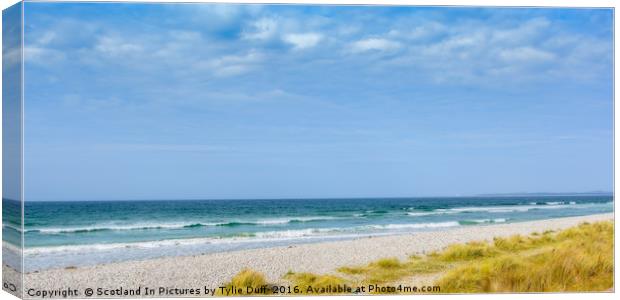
x,y
60,234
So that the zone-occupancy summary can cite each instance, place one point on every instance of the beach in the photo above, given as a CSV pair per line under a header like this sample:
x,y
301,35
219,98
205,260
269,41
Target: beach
x,y
214,269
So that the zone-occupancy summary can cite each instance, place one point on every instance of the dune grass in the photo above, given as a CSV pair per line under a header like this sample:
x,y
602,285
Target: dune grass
x,y
576,259
391,269
306,280
464,252
244,279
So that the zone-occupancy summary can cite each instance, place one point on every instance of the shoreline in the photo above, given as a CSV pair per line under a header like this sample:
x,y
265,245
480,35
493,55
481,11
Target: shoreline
x,y
213,269
157,232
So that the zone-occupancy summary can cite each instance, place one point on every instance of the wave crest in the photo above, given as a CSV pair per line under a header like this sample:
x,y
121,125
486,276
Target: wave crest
x,y
95,228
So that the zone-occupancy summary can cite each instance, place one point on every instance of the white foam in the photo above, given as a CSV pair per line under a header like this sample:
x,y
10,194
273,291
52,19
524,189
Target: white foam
x,y
12,227
112,246
296,233
497,220
290,220
501,208
416,225
113,227
11,247
504,209
430,213
149,226
265,236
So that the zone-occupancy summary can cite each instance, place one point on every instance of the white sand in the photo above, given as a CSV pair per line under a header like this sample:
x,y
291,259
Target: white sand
x,y
212,270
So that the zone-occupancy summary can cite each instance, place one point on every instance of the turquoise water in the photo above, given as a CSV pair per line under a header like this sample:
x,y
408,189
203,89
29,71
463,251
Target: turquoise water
x,y
79,233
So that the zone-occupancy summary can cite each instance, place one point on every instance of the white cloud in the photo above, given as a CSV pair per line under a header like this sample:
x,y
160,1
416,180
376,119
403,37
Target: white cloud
x,y
46,38
426,30
261,29
41,55
231,65
116,46
475,52
348,30
459,44
526,54
521,33
376,44
469,50
162,147
303,40
12,57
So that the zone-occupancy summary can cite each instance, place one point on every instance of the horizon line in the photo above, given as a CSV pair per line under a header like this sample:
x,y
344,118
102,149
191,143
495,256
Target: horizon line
x,y
520,194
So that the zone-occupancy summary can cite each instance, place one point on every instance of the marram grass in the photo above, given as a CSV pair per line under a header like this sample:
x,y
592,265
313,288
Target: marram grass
x,y
465,252
391,269
316,282
245,279
575,259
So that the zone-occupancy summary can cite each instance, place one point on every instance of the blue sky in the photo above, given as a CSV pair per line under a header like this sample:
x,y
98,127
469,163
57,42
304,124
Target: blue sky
x,y
159,101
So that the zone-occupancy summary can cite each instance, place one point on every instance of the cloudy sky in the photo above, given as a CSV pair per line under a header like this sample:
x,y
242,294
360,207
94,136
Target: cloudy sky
x,y
160,101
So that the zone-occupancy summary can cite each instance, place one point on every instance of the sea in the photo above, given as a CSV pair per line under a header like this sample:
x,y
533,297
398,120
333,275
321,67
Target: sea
x,y
78,233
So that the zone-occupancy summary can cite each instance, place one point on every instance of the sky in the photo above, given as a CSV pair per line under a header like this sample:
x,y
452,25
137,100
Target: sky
x,y
203,101
11,102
